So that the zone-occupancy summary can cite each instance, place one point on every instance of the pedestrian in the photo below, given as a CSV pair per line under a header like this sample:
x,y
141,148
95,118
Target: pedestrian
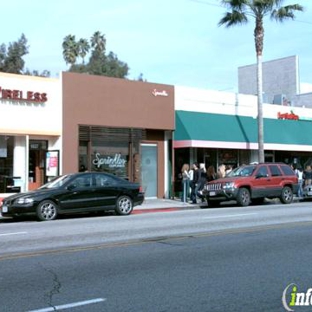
x,y
228,169
307,175
211,173
221,171
299,173
202,179
185,182
193,183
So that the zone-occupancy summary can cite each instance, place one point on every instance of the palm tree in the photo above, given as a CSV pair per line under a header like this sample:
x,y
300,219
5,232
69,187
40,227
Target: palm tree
x,y
83,48
240,11
70,49
98,42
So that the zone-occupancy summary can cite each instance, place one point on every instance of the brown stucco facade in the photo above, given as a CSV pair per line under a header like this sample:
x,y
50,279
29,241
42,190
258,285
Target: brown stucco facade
x,y
113,105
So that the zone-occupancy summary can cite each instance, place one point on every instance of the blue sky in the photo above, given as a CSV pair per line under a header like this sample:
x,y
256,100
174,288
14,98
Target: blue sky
x,y
175,42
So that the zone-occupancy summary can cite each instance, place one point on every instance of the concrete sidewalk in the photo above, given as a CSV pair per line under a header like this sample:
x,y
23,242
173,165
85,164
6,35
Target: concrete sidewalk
x,y
165,203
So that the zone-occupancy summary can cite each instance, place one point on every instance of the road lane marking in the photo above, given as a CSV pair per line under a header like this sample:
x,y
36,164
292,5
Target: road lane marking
x,y
231,216
13,233
70,305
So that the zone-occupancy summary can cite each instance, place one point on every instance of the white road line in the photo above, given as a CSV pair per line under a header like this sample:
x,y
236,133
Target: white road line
x,y
16,233
231,216
69,305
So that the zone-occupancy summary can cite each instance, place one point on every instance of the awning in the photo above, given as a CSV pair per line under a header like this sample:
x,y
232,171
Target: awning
x,y
194,129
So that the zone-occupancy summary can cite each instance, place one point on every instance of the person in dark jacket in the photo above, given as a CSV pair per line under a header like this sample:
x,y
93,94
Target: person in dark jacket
x,y
194,182
307,175
202,179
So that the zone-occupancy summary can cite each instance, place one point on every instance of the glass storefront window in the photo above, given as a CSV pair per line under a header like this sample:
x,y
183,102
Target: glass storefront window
x,y
228,157
112,150
110,159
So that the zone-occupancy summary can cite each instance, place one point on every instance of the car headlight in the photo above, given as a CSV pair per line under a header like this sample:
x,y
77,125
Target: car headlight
x,y
228,185
24,200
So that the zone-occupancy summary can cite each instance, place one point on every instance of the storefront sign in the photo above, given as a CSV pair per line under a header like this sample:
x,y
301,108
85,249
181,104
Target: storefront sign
x,y
18,95
52,161
112,162
289,116
160,93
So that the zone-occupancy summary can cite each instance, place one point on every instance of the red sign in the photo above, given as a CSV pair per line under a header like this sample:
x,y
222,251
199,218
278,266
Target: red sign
x,y
289,116
17,95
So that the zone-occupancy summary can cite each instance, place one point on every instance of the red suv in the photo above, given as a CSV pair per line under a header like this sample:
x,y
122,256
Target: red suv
x,y
252,183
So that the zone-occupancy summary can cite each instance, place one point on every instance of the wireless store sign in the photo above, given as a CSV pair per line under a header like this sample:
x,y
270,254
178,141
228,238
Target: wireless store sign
x,y
18,95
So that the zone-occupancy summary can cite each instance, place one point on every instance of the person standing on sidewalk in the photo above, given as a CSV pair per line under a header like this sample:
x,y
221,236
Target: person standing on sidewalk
x,y
307,175
202,179
185,182
194,182
299,174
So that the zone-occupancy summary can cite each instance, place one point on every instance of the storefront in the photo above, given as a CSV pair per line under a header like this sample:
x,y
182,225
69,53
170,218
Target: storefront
x,y
30,110
119,126
221,128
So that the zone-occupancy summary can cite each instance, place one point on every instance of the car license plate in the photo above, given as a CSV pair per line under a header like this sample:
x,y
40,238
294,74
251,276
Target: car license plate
x,y
212,193
4,208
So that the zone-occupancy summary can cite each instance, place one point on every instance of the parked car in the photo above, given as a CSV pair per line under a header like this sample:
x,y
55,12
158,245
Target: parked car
x,y
307,192
75,193
253,183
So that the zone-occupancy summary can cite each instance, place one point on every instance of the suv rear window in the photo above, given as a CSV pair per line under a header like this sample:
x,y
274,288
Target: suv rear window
x,y
287,170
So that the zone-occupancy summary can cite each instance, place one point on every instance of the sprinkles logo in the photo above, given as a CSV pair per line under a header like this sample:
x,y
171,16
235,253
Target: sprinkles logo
x,y
292,298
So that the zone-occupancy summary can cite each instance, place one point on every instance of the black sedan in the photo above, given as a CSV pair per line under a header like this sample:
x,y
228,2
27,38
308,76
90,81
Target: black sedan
x,y
75,193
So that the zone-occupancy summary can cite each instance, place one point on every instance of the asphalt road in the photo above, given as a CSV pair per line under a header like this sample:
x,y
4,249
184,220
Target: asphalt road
x,y
226,259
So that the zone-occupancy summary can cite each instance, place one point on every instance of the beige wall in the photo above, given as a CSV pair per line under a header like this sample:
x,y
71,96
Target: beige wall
x,y
29,117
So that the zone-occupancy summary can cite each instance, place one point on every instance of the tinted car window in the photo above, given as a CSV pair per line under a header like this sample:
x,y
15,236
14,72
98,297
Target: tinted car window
x,y
244,171
275,171
104,180
287,170
82,181
56,182
263,171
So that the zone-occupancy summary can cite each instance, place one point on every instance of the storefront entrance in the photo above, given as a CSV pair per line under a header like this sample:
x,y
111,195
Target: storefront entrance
x,y
149,169
36,169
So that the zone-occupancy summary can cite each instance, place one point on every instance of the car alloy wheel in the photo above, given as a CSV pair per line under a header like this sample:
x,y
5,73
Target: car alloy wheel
x,y
124,205
243,197
287,195
47,210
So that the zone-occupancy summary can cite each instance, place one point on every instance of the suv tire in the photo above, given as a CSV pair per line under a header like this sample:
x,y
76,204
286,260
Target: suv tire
x,y
243,197
287,195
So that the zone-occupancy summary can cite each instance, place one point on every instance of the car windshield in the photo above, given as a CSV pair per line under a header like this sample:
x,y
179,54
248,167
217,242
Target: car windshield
x,y
55,183
244,171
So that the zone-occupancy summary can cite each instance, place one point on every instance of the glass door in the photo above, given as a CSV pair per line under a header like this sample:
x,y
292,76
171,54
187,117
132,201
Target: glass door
x,y
149,169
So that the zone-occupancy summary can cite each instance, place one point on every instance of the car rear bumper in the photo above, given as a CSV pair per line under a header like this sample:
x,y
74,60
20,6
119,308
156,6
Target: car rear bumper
x,y
139,199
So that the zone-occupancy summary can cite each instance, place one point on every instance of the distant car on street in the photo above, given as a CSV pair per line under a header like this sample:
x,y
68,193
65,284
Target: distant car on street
x,y
252,184
75,193
307,192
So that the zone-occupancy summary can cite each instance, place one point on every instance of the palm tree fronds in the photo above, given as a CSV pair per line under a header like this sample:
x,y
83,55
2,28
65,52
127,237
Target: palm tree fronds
x,y
233,18
286,12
